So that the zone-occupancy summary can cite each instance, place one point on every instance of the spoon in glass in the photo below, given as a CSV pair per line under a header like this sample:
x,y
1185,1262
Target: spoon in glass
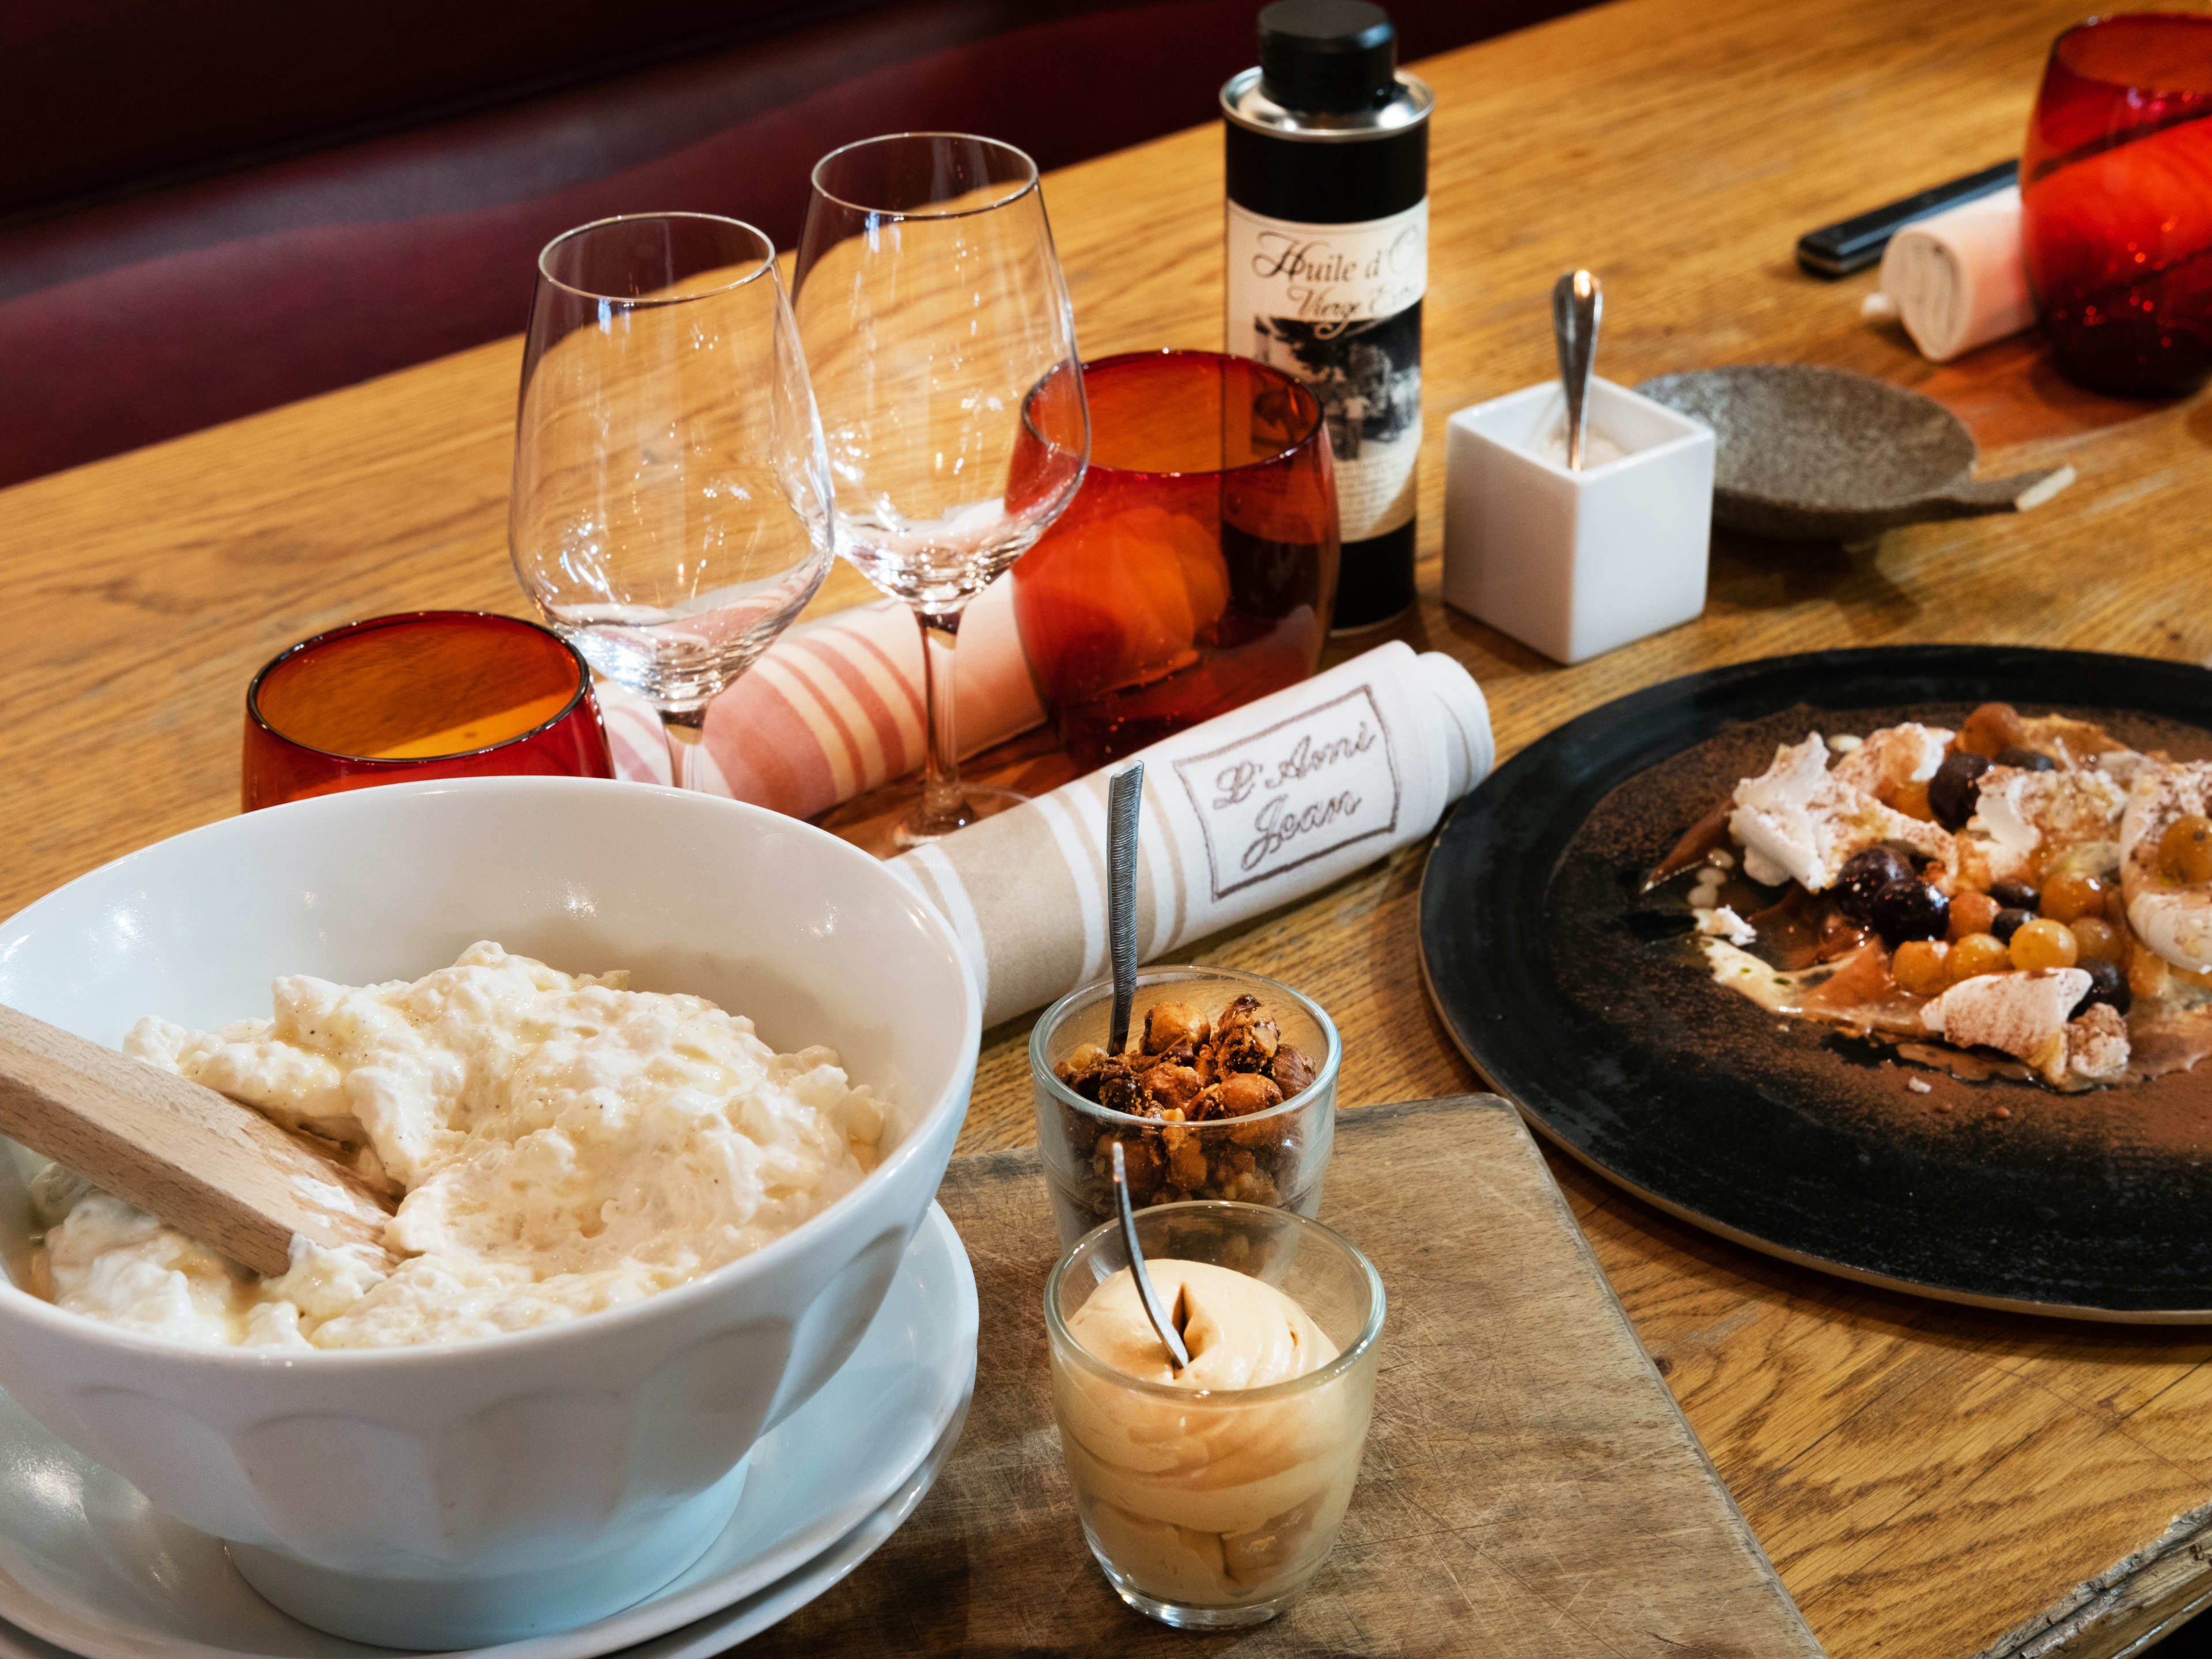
x,y
1171,1337
1125,800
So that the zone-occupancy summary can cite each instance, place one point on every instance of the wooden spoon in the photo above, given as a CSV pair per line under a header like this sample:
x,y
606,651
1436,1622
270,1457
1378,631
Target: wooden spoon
x,y
188,1156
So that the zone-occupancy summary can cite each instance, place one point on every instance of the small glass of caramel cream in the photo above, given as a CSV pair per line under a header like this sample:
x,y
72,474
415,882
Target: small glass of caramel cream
x,y
1212,1495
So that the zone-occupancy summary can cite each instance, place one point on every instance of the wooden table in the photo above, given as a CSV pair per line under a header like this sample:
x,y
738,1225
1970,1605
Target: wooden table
x,y
1929,1481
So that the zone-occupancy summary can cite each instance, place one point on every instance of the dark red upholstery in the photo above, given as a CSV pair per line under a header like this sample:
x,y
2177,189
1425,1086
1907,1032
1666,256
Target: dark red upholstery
x,y
135,318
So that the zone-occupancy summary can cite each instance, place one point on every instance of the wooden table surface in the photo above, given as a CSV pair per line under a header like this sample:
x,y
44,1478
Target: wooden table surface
x,y
1929,1481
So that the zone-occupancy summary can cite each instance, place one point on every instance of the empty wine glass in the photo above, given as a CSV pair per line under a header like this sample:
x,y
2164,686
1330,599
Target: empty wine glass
x,y
670,511
931,305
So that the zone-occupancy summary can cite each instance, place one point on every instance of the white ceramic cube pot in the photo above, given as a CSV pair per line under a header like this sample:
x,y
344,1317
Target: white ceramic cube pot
x,y
1574,563
463,1493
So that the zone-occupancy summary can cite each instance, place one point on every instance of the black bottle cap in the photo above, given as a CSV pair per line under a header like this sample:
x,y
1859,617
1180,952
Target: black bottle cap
x,y
1328,57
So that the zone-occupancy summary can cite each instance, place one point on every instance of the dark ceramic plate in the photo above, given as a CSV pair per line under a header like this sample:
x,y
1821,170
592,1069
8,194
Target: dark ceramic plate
x,y
1577,996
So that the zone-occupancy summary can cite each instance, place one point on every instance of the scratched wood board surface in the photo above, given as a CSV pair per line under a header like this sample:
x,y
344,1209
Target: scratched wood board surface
x,y
1529,1486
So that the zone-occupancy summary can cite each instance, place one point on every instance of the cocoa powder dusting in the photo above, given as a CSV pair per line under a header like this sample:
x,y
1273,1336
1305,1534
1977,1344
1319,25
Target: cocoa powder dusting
x,y
1614,952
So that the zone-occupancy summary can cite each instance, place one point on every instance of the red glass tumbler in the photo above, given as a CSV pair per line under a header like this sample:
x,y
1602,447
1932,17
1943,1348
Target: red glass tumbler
x,y
2116,189
1195,569
429,694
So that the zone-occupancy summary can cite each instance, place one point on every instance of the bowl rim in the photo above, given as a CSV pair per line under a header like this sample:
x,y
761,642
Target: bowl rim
x,y
17,1303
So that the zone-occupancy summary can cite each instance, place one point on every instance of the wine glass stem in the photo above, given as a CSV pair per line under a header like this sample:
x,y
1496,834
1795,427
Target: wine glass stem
x,y
944,809
687,730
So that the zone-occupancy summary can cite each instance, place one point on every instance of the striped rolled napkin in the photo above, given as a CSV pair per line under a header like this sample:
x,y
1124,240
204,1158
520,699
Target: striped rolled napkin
x,y
1250,810
834,707
1958,279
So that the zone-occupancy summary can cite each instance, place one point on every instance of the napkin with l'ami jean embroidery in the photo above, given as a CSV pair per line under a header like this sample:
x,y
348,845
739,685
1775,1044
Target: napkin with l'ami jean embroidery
x,y
1250,810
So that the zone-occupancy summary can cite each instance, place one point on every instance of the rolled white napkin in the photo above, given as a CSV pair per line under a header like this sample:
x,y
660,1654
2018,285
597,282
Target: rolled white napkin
x,y
1959,280
1251,810
834,707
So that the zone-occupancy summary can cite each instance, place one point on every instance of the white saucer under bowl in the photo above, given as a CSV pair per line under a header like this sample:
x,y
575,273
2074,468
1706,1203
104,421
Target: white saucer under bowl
x,y
87,1563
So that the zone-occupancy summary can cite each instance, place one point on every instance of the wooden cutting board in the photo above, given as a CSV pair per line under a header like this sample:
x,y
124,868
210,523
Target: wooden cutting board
x,y
1530,1487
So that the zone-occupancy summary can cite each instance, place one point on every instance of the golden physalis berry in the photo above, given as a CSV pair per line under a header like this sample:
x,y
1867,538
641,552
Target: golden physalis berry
x,y
2044,943
2098,937
1978,954
1922,967
2184,851
2068,898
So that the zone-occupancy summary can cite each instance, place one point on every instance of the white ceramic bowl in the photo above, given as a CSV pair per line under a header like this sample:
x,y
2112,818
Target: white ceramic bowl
x,y
463,1493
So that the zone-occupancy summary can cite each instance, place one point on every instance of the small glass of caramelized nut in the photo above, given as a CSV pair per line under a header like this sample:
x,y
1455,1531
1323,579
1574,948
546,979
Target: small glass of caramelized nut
x,y
1226,1090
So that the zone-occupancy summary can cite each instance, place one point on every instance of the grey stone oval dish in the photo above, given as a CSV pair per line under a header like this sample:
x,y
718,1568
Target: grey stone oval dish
x,y
1807,453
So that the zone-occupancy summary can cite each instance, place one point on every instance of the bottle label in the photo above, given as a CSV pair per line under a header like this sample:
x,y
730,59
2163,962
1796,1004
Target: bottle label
x,y
1339,306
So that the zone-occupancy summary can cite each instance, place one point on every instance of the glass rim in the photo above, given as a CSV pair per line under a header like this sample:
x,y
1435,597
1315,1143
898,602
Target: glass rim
x,y
1126,359
1040,1069
1371,1330
2191,20
763,263
1016,191
399,618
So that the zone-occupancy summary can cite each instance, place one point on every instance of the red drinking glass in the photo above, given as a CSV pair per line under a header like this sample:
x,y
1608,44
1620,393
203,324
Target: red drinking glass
x,y
2116,189
429,694
1197,567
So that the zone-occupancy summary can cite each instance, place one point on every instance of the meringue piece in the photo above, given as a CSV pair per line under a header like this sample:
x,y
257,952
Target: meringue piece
x,y
2017,810
2173,919
1896,754
2096,1043
2023,1013
1723,922
1798,820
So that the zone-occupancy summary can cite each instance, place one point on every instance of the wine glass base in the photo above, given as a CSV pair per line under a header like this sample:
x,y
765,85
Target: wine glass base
x,y
977,802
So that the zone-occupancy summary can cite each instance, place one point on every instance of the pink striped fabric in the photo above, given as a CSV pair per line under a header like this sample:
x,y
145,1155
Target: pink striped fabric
x,y
834,707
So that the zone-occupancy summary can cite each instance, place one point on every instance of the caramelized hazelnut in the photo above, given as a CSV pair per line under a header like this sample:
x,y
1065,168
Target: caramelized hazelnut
x,y
1173,1086
1249,1092
1086,1057
1139,1156
1293,1072
1247,1046
1120,1090
1170,1025
1186,1160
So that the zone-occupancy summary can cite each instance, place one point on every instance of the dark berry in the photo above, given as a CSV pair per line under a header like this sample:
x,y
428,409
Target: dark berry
x,y
2016,895
1865,874
2010,921
1910,909
1956,786
2107,984
2028,759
